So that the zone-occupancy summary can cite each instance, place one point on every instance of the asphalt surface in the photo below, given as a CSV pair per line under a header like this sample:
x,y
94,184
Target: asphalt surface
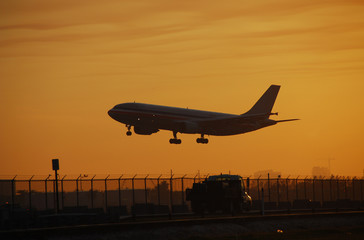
x,y
207,227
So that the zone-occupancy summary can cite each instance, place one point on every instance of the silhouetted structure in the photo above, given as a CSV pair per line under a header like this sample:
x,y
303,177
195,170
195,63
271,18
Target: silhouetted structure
x,y
32,200
264,173
226,193
320,172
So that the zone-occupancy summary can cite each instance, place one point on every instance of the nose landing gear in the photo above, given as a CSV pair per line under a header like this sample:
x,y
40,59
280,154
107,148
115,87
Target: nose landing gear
x,y
128,133
202,140
175,140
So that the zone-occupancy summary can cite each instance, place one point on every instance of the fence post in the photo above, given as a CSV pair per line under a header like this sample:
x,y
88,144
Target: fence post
x,y
106,192
268,189
78,202
278,189
133,191
46,192
361,190
183,193
159,194
322,190
304,187
313,188
262,206
331,188
353,186
120,190
338,188
55,192
258,187
145,192
55,201
171,192
62,191
287,188
30,192
297,187
92,191
13,193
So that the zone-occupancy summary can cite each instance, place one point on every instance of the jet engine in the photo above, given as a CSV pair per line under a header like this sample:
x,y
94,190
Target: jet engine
x,y
145,130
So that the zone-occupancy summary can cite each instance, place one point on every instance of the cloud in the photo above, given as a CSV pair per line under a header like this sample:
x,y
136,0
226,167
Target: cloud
x,y
36,26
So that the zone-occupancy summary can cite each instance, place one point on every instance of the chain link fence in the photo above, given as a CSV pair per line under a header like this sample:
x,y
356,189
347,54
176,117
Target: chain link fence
x,y
137,195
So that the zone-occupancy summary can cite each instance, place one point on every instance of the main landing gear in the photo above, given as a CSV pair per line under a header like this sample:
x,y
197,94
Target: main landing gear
x,y
175,140
202,140
128,133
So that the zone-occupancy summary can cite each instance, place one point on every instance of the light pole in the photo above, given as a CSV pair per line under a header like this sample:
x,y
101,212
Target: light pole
x,y
55,167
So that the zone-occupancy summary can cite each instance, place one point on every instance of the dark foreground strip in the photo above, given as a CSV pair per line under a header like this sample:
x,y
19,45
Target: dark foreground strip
x,y
39,233
348,233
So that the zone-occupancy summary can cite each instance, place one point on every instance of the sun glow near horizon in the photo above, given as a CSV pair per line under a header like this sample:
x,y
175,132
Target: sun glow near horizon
x,y
65,64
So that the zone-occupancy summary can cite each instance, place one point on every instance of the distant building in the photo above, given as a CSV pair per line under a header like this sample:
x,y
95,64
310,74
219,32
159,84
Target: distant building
x,y
320,172
264,174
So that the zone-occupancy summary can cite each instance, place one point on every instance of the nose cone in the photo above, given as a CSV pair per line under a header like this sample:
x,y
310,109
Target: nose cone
x,y
112,113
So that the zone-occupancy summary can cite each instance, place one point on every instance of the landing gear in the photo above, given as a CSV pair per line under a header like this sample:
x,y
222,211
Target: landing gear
x,y
175,140
128,133
202,140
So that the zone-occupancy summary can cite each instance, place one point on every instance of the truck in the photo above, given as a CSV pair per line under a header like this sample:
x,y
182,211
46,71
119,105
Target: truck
x,y
222,192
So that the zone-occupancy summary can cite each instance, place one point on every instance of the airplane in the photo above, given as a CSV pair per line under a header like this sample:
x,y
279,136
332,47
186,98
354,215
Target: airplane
x,y
148,119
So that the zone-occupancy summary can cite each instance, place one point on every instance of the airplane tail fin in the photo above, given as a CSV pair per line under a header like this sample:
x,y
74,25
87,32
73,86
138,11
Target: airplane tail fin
x,y
266,101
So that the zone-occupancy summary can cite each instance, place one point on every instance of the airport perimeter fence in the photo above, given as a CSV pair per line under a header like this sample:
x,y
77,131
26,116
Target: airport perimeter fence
x,y
140,195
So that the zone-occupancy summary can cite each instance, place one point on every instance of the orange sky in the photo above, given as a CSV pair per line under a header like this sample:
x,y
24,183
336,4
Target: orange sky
x,y
64,64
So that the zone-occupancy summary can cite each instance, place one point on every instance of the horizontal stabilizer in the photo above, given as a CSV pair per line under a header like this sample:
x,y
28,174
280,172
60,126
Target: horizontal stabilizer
x,y
239,119
287,120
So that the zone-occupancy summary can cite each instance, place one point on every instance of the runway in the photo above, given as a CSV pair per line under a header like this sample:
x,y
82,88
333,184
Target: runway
x,y
188,226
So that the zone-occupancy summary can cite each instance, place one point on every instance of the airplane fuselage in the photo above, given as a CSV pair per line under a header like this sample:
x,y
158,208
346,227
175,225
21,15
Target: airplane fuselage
x,y
183,120
148,119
